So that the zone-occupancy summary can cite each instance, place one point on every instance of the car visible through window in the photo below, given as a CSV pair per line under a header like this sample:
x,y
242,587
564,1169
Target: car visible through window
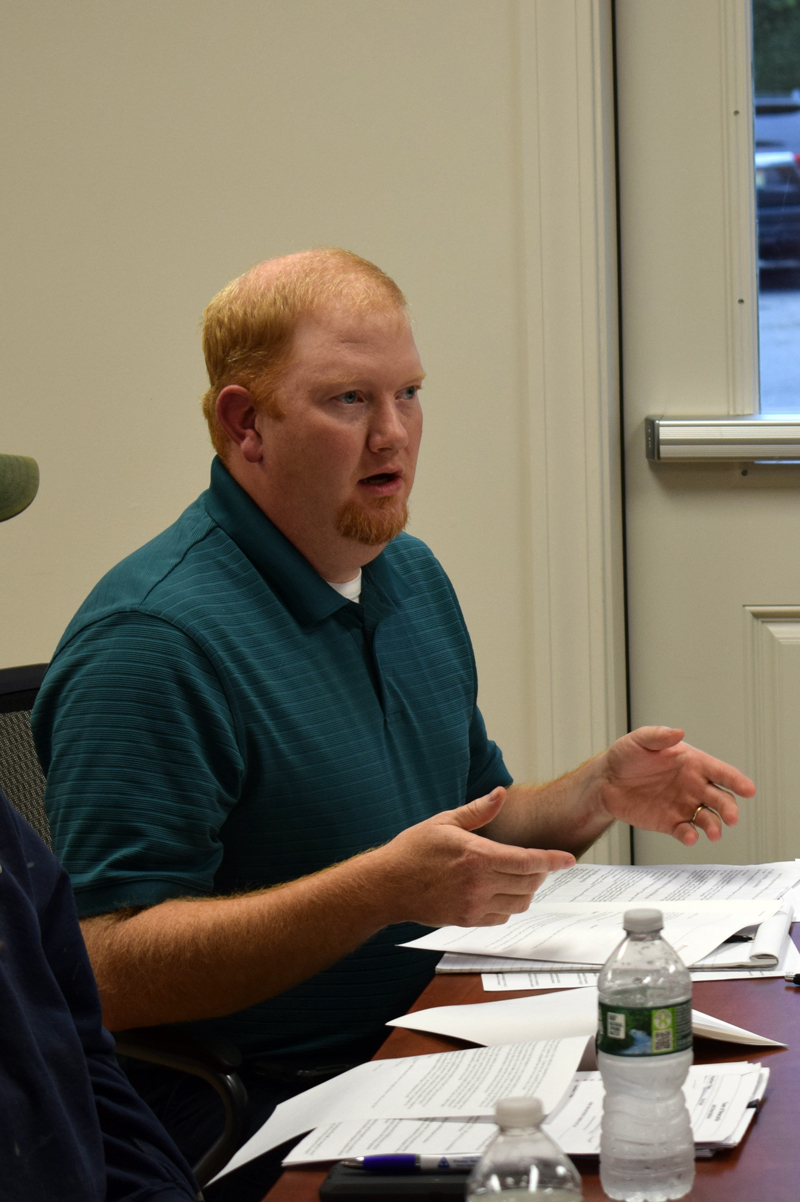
x,y
778,202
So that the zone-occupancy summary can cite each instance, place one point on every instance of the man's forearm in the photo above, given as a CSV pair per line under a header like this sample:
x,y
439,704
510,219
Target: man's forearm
x,y
567,813
201,958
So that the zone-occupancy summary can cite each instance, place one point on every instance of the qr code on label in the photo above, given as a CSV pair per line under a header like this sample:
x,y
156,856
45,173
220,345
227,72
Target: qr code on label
x,y
615,1026
662,1041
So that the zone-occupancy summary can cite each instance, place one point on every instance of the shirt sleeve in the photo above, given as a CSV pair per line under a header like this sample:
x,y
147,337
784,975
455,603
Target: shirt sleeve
x,y
486,770
143,763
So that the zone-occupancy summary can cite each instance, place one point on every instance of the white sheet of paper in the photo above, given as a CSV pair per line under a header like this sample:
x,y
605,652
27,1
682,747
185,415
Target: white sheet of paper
x,y
443,1085
793,896
765,949
382,1137
464,962
716,1028
513,1020
717,1096
507,980
569,1013
588,935
660,884
788,961
504,982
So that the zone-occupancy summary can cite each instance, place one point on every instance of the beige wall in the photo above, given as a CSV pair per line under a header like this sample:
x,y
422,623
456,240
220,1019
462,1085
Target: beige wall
x,y
158,149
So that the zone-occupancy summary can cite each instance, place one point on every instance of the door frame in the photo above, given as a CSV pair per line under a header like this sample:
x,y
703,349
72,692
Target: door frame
x,y
569,302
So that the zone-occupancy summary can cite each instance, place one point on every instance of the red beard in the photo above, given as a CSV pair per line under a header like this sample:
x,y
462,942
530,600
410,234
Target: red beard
x,y
373,526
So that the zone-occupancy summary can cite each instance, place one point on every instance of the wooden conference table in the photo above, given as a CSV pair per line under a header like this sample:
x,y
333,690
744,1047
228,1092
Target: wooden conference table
x,y
766,1165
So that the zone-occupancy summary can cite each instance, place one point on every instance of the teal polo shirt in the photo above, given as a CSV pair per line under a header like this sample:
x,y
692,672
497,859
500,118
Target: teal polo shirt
x,y
218,719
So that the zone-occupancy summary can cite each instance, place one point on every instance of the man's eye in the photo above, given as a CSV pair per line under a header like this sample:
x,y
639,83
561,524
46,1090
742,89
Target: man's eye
x,y
349,398
409,393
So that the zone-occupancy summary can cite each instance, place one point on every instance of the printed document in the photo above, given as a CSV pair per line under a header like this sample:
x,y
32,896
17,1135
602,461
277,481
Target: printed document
x,y
510,978
444,1085
660,884
587,934
721,1099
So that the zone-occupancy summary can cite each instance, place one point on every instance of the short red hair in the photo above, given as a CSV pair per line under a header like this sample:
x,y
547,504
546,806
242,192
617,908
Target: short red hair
x,y
249,325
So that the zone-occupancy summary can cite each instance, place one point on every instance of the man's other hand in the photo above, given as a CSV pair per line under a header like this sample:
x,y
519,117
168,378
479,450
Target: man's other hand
x,y
441,873
655,781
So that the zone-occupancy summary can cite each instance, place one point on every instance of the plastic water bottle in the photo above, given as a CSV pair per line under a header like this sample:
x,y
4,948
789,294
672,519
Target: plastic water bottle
x,y
644,1049
522,1162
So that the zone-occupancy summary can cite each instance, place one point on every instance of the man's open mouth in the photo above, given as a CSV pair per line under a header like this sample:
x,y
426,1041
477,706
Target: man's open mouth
x,y
380,478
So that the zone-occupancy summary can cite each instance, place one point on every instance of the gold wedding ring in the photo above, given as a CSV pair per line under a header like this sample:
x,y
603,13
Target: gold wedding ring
x,y
702,806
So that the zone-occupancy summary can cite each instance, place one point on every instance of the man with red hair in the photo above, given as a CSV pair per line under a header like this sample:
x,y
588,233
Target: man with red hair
x,y
266,764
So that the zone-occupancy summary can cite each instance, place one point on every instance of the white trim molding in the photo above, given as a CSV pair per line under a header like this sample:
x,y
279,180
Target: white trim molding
x,y
741,262
568,288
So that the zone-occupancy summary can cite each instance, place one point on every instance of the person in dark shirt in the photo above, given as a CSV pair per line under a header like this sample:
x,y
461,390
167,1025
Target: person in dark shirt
x,y
72,1128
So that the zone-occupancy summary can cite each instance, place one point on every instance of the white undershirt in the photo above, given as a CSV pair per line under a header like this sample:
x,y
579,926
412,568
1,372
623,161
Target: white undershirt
x,y
351,589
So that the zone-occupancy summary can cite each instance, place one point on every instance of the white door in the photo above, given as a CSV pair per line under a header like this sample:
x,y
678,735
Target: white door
x,y
713,548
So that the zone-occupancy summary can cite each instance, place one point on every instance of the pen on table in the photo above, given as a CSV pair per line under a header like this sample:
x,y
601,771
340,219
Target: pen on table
x,y
406,1163
792,977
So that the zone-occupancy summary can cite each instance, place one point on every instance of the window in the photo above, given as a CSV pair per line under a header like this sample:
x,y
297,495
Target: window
x,y
776,55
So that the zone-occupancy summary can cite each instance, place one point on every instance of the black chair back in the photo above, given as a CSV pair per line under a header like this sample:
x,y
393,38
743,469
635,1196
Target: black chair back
x,y
21,777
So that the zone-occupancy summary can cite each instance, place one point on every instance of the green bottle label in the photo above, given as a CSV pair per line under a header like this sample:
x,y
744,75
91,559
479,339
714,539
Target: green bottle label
x,y
644,1031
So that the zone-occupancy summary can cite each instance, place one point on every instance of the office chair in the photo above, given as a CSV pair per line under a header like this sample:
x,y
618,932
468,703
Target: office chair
x,y
214,1060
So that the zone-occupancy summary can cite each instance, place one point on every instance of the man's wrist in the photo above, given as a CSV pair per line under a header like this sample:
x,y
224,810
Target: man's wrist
x,y
369,887
595,813
600,766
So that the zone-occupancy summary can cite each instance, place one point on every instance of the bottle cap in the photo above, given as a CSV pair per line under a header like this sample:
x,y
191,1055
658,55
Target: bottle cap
x,y
518,1112
641,922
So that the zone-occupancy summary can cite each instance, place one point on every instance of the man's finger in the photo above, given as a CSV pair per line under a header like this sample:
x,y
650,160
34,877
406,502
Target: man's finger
x,y
728,777
510,903
656,738
686,833
724,803
493,920
708,820
526,861
520,883
481,811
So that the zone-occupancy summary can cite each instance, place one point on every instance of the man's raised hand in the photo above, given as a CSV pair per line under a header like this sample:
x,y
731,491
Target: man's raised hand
x,y
441,873
655,781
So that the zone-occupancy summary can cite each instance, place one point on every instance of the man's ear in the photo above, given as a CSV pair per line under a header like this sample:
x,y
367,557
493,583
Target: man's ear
x,y
237,415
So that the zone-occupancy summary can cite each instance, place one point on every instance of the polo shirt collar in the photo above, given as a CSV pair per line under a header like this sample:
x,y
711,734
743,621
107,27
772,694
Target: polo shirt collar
x,y
288,572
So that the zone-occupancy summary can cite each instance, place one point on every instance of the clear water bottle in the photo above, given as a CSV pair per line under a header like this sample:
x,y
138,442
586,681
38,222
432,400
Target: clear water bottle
x,y
522,1161
644,1050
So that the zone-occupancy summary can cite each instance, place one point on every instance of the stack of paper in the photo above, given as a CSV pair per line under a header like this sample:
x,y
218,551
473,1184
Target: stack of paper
x,y
533,1046
460,1085
499,974
722,1100
445,1102
723,920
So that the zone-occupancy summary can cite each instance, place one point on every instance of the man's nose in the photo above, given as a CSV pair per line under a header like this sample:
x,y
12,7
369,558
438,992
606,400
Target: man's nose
x,y
387,429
